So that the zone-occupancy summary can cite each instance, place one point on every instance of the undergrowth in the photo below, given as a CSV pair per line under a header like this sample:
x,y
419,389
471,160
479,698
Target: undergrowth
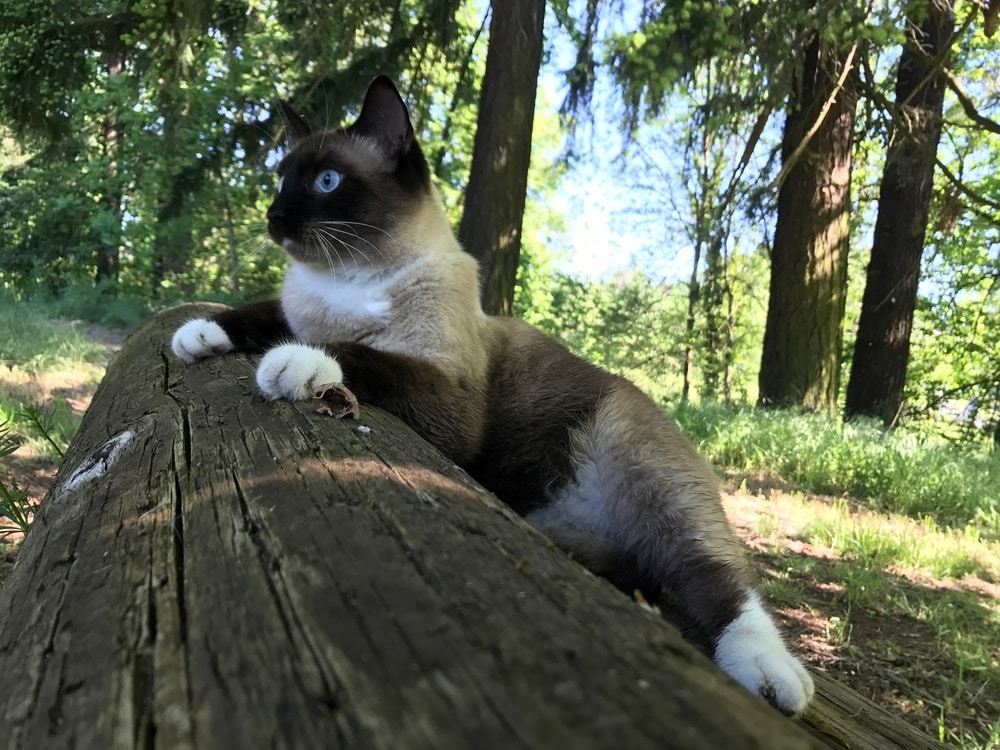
x,y
31,339
903,471
15,508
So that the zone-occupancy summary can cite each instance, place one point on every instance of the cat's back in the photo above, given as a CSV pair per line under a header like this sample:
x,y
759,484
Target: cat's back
x,y
538,384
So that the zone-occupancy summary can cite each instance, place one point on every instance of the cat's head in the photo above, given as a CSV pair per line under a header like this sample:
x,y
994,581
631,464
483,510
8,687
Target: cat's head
x,y
343,195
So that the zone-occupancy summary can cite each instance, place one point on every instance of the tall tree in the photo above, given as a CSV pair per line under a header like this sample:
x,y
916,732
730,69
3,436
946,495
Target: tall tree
x,y
803,337
494,200
881,353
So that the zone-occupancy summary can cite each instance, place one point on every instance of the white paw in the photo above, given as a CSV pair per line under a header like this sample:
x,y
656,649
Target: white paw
x,y
294,371
751,651
200,338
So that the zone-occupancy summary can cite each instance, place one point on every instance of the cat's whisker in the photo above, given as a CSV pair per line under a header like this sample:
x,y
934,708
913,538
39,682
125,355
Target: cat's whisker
x,y
340,231
336,233
354,225
324,241
248,250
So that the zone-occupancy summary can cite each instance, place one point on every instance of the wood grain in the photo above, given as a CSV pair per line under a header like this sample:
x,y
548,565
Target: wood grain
x,y
211,570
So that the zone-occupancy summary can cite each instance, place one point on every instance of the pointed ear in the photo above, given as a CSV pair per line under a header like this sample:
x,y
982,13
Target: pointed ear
x,y
297,127
384,117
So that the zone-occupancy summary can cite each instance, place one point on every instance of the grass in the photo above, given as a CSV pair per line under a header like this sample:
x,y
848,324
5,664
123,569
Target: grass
x,y
909,472
32,340
902,610
46,364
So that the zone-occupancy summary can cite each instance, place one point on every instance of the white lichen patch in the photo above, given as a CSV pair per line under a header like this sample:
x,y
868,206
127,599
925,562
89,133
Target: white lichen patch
x,y
99,462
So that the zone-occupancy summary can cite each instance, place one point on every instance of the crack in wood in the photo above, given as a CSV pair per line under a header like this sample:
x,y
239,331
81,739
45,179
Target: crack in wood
x,y
180,582
328,694
50,647
142,669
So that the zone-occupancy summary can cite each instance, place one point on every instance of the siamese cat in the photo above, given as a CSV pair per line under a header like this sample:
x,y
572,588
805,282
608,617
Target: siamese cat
x,y
379,295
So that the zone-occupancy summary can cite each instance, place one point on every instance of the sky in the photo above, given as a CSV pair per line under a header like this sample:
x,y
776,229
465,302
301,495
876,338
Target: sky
x,y
599,202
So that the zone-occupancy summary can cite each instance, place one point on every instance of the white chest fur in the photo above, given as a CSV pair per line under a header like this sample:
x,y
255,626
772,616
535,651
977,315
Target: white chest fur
x,y
325,306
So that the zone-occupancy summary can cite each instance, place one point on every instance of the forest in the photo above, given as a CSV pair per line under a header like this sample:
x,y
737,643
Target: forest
x,y
827,170
806,194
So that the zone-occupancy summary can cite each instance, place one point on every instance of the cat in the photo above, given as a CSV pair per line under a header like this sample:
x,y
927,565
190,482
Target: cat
x,y
380,295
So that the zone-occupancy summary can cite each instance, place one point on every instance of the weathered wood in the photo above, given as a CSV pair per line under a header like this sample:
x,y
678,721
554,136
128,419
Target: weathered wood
x,y
214,571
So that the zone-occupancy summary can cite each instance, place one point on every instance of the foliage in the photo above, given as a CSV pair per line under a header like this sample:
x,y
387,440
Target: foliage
x,y
955,356
142,146
633,326
15,509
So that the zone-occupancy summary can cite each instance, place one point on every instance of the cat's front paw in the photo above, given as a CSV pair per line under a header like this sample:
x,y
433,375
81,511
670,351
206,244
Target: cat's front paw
x,y
751,651
200,338
294,371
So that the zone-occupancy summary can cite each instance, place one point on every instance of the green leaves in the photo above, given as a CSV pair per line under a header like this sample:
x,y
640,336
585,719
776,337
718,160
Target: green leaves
x,y
149,135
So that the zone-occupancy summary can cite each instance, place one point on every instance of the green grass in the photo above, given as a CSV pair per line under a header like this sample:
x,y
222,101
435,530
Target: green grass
x,y
31,340
40,355
894,596
40,358
940,553
910,472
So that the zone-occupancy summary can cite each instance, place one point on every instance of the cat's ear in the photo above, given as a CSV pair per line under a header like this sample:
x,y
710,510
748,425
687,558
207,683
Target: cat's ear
x,y
384,117
297,127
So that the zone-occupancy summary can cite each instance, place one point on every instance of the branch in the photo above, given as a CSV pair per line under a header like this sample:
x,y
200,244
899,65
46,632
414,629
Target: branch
x,y
968,105
965,190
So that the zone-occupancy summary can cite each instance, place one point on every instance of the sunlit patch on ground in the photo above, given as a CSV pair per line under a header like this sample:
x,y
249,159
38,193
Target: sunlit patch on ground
x,y
927,646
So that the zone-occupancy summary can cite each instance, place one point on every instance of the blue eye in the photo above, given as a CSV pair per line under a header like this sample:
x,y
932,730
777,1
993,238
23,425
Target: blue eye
x,y
327,181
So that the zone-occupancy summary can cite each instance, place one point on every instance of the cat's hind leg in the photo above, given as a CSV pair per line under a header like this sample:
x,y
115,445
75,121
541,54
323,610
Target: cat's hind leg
x,y
641,496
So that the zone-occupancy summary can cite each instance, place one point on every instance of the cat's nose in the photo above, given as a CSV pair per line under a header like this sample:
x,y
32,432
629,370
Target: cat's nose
x,y
276,219
277,226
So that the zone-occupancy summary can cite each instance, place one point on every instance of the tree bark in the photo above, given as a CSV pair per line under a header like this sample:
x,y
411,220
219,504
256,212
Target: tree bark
x,y
498,179
211,570
803,337
107,257
882,349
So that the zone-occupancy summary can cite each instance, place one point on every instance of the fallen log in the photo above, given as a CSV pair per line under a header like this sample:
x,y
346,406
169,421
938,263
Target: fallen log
x,y
210,570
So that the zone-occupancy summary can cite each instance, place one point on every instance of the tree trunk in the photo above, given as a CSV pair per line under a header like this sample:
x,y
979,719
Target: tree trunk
x,y
882,350
713,301
107,259
494,198
803,337
173,239
694,293
212,570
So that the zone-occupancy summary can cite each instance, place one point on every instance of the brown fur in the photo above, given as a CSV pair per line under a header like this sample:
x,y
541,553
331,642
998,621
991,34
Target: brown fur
x,y
381,284
505,401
